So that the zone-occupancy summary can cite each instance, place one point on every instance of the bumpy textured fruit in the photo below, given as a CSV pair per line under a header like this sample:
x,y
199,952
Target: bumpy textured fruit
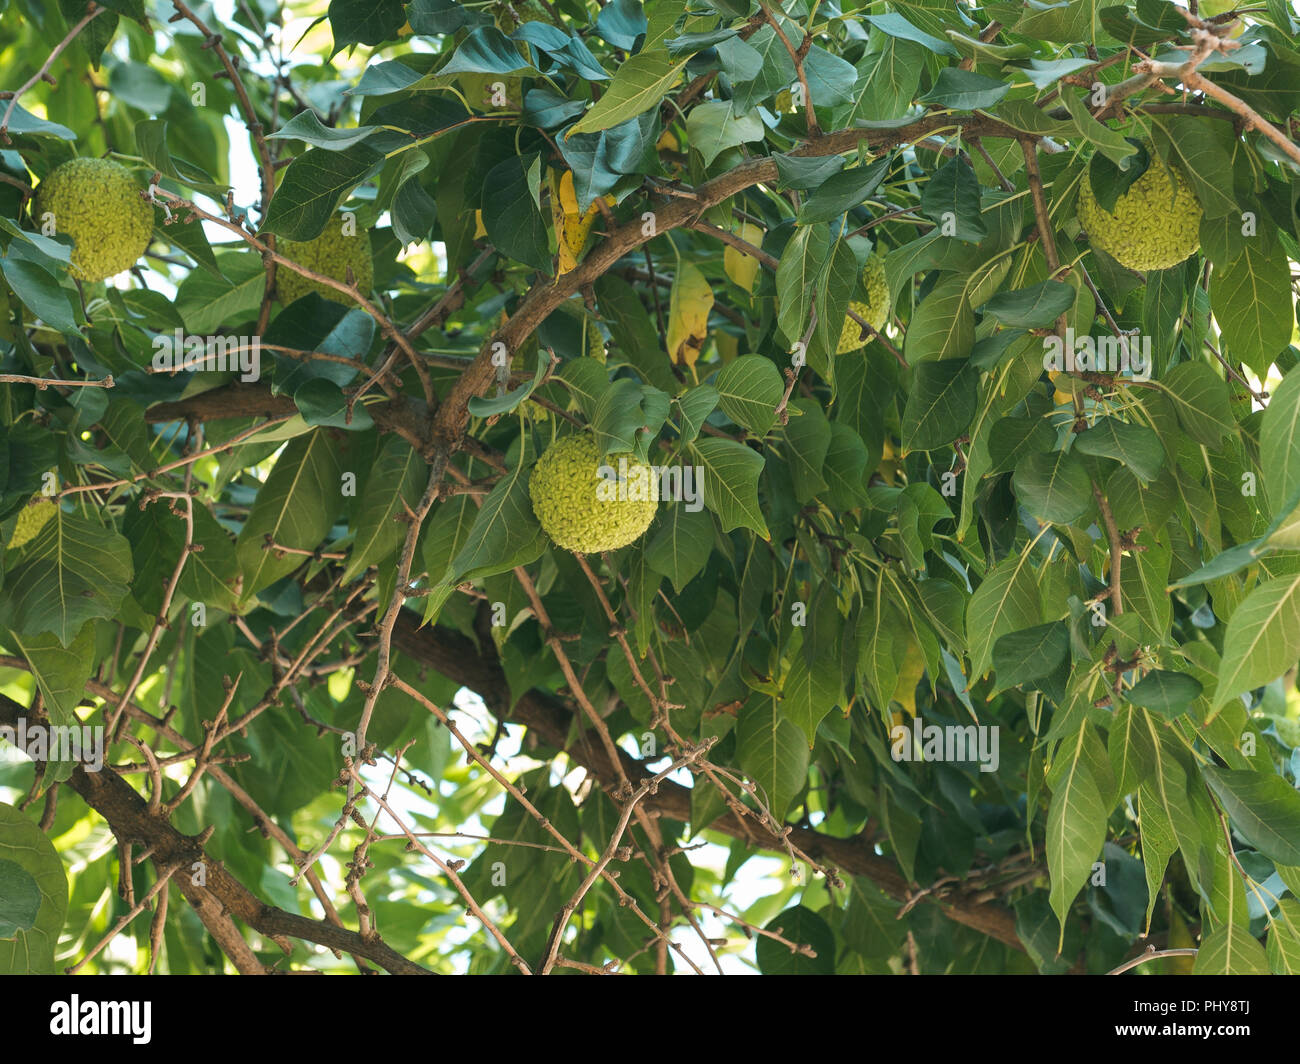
x,y
98,204
581,510
1155,224
875,311
331,253
31,519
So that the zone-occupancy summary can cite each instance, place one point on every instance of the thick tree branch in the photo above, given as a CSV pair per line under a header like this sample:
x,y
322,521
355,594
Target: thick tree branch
x,y
551,723
221,898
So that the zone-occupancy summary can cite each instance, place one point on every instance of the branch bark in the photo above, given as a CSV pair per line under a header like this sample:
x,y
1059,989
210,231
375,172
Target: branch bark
x,y
222,898
551,723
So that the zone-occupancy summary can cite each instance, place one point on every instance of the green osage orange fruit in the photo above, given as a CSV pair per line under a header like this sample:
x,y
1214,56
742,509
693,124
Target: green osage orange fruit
x,y
98,204
1155,224
331,254
875,311
586,504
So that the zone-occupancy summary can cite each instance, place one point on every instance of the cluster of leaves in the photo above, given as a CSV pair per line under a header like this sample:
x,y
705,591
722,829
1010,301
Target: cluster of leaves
x,y
1102,568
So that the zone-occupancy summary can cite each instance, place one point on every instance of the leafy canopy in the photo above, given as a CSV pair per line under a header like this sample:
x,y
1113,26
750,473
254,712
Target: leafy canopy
x,y
1046,504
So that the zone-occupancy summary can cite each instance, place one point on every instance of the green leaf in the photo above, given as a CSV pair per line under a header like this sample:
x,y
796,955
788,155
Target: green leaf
x,y
714,126
445,534
845,468
1230,949
797,171
41,292
365,21
1031,308
1167,693
896,25
1284,938
1263,807
621,23
1279,443
1076,821
1028,655
1109,142
943,326
771,751
843,190
151,142
626,415
211,303
695,405
681,546
888,78
941,404
504,534
639,84
635,338
809,693
20,900
1204,154
393,486
313,187
486,50
28,859
951,198
478,406
23,121
965,90
1201,401
295,507
729,472
1250,296
804,927
322,402
61,672
807,438
1007,601
511,215
1135,445
1262,641
796,278
1054,487
73,571
1013,439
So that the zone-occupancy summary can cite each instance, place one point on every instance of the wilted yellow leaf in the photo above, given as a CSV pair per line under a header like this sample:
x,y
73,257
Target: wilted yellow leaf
x,y
688,314
571,226
740,267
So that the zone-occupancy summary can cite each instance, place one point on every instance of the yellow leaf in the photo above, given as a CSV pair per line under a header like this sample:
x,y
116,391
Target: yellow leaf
x,y
740,267
571,226
728,345
688,314
479,231
908,677
568,198
667,141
